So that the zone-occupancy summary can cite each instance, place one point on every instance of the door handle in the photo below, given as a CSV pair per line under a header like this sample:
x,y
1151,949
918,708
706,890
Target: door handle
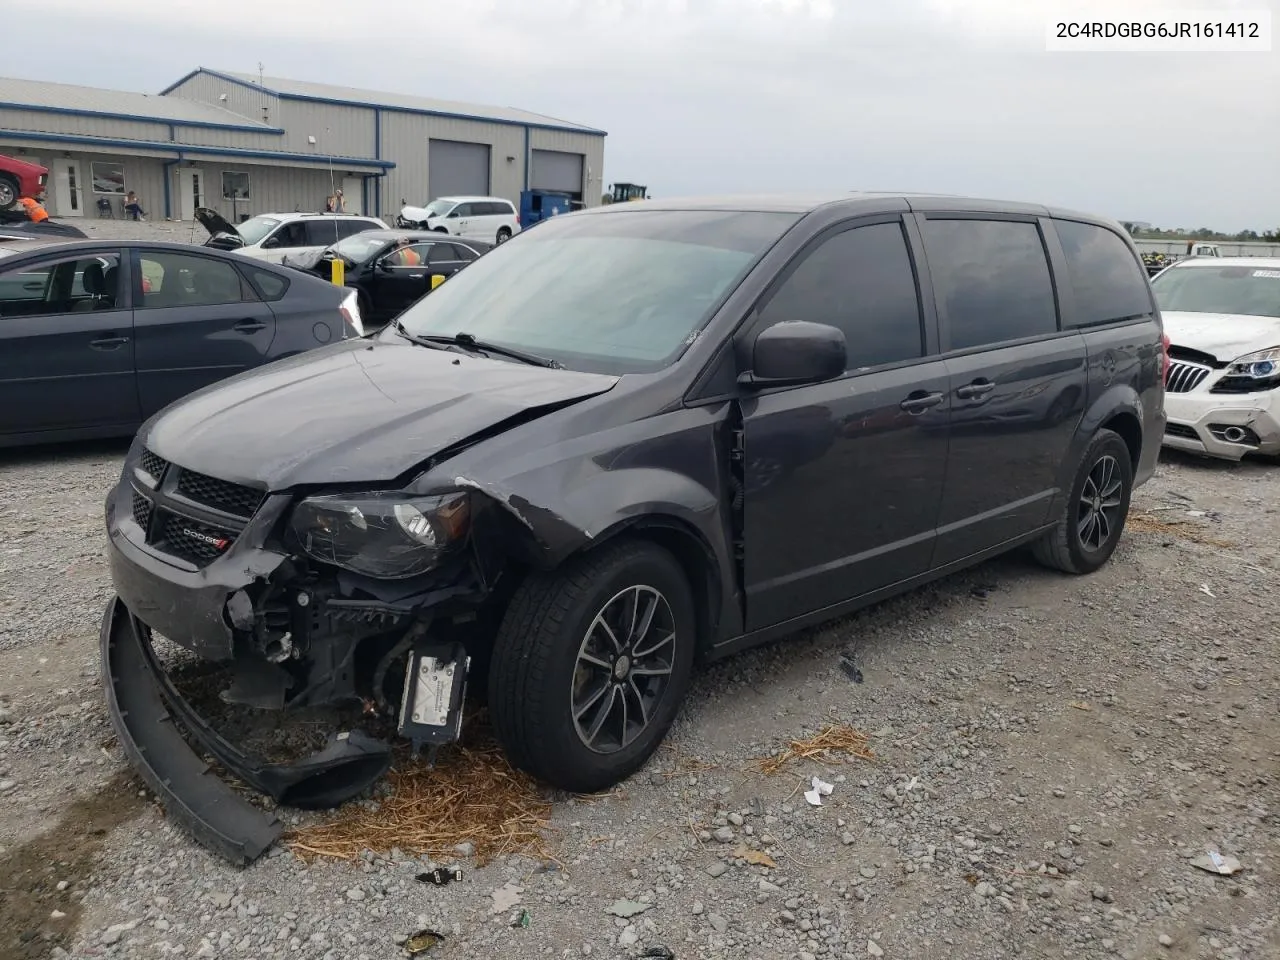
x,y
975,390
108,343
249,326
920,401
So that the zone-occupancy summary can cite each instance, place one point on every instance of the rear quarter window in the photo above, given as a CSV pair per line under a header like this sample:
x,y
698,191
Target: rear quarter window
x,y
270,286
1104,275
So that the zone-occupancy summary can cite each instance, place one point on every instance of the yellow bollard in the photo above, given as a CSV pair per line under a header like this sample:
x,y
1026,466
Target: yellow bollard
x,y
339,276
436,280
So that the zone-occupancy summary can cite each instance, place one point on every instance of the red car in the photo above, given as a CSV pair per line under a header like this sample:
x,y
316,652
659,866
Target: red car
x,y
18,178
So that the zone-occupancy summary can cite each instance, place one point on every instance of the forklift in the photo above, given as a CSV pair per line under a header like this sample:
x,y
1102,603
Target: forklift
x,y
625,192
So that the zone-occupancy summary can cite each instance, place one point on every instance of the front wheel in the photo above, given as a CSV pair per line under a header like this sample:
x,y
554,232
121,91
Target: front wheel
x,y
1092,519
591,664
8,191
504,234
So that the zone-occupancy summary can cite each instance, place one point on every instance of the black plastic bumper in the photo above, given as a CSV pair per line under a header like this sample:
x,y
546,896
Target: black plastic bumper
x,y
191,792
187,606
144,704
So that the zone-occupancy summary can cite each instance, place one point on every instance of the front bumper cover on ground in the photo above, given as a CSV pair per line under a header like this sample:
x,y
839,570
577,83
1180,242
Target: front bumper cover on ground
x,y
144,706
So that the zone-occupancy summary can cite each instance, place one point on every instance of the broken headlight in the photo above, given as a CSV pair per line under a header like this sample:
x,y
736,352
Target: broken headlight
x,y
385,535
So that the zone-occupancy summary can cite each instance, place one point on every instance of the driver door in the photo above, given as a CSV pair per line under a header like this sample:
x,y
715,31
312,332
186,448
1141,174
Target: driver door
x,y
461,220
844,479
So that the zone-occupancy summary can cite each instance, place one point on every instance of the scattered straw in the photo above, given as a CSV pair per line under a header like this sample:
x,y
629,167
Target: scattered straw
x,y
473,795
836,738
1147,523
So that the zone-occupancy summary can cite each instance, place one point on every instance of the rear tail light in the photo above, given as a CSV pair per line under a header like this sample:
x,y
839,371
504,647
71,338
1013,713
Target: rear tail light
x,y
1164,350
350,310
517,219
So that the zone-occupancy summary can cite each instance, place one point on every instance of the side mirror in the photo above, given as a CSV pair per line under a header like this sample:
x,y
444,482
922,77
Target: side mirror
x,y
796,352
383,265
270,243
453,215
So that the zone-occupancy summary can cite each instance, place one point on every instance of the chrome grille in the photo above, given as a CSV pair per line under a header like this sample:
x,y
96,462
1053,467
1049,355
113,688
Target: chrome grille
x,y
1185,376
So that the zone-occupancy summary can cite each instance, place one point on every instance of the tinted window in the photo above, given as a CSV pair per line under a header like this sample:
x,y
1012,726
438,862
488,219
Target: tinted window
x,y
463,210
179,280
1234,290
862,282
272,286
464,253
1104,275
441,253
291,235
67,286
618,293
321,232
992,278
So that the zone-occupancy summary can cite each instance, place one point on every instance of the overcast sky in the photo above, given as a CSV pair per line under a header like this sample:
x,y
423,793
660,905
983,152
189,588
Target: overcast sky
x,y
702,96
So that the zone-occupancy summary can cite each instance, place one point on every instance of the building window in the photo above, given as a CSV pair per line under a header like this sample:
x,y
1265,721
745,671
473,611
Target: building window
x,y
235,185
108,176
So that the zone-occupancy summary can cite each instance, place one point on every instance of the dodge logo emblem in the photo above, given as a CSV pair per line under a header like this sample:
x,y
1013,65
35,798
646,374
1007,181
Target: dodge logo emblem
x,y
216,542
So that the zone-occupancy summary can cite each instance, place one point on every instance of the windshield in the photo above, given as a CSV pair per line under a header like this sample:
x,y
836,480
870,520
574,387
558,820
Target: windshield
x,y
1251,291
255,228
438,208
621,292
357,249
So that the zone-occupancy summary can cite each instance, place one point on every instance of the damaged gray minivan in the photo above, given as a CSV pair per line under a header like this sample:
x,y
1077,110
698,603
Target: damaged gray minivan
x,y
638,437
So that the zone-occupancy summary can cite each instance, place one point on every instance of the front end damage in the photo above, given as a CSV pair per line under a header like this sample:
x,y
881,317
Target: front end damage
x,y
239,577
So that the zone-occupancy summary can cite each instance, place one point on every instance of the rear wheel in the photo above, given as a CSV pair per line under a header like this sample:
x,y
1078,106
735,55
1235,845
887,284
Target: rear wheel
x,y
8,191
1092,518
591,664
504,234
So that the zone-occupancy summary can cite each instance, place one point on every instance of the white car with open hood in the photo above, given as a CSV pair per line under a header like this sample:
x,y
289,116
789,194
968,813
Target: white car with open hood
x,y
273,237
1222,317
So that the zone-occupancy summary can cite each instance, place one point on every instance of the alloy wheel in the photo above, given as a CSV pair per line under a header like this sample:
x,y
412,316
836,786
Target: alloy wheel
x,y
7,195
623,668
1100,502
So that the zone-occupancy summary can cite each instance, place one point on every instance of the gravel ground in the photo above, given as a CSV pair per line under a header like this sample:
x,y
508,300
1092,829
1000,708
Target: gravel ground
x,y
1051,754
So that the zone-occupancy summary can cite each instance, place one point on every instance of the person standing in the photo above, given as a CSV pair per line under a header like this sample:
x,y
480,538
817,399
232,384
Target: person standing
x,y
339,202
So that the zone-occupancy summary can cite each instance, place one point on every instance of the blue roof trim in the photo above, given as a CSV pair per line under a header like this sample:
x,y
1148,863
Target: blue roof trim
x,y
415,111
166,146
138,118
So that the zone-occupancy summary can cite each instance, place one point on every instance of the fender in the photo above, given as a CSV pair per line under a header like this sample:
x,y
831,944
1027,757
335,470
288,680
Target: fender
x,y
1119,398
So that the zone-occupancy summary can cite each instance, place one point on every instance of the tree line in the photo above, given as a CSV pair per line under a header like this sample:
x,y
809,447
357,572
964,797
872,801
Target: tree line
x,y
1203,233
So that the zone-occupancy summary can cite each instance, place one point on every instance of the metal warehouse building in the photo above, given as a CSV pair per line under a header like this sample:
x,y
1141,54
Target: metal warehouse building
x,y
244,144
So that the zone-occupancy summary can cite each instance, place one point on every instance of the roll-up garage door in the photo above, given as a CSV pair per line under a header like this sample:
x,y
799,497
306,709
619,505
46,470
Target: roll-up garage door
x,y
457,169
556,170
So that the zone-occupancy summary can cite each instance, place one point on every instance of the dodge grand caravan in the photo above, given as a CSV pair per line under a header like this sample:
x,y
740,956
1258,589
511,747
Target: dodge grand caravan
x,y
638,437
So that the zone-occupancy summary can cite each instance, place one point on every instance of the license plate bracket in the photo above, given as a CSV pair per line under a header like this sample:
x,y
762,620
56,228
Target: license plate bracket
x,y
435,688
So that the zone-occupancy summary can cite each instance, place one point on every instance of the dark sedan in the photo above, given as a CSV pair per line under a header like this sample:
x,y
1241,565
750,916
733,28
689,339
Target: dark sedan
x,y
392,269
96,336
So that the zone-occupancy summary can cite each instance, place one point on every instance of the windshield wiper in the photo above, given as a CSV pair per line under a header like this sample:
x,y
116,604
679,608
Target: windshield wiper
x,y
469,342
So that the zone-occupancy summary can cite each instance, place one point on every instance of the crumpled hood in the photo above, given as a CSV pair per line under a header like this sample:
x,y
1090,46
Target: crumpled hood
x,y
364,411
1225,336
415,214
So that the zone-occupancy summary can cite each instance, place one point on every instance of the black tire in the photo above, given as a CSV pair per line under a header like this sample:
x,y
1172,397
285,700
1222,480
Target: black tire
x,y
504,234
8,191
1064,547
441,230
534,675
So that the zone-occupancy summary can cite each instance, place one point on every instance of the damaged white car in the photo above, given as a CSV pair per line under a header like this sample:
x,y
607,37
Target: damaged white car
x,y
1222,317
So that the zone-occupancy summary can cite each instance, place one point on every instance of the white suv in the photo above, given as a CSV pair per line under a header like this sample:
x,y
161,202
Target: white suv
x,y
274,236
490,219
